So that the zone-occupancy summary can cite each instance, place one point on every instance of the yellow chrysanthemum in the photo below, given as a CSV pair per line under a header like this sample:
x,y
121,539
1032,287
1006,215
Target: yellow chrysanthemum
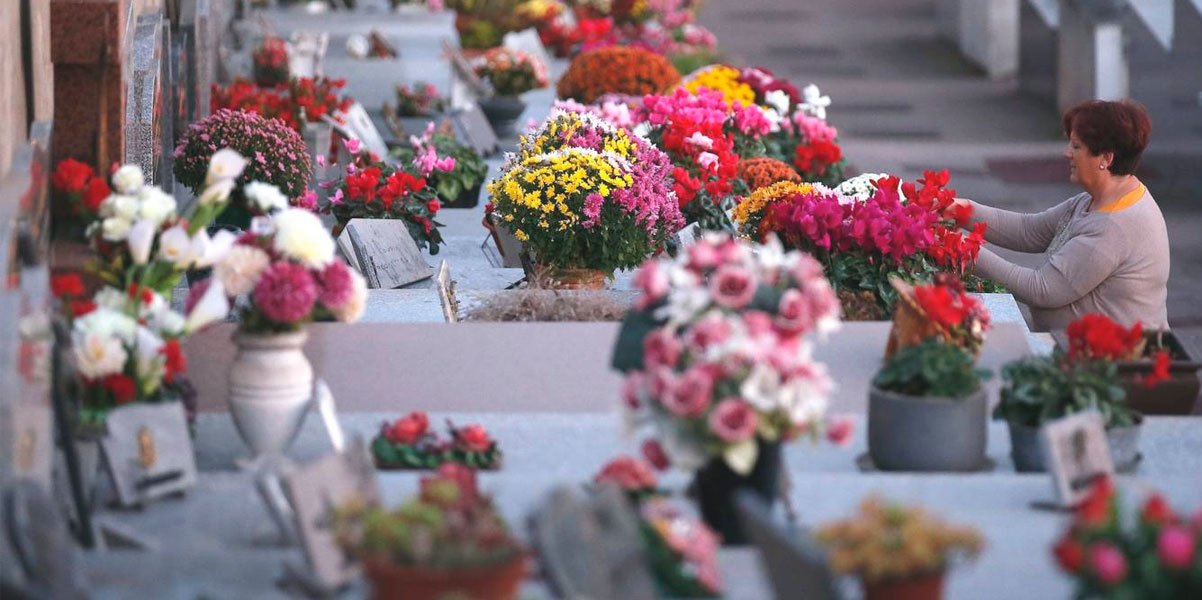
x,y
755,203
723,79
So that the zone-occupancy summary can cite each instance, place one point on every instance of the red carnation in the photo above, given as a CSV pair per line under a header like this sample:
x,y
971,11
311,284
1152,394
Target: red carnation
x,y
72,176
68,284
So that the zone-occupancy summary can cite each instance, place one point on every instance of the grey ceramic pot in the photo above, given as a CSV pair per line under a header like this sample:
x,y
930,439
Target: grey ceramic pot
x,y
1027,453
915,433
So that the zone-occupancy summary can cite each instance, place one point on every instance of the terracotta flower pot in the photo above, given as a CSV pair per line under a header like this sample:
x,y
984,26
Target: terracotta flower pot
x,y
570,279
402,582
716,485
921,587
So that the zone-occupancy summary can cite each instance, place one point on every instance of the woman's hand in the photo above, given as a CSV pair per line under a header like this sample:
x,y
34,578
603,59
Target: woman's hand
x,y
960,211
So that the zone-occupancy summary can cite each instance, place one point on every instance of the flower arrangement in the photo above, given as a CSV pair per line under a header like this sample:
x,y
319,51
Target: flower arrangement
x,y
633,476
771,91
284,274
863,186
1152,555
801,136
683,552
890,542
581,193
76,184
302,100
409,443
449,525
616,70
371,189
863,244
763,171
420,100
275,153
942,308
270,61
511,72
724,79
717,353
468,173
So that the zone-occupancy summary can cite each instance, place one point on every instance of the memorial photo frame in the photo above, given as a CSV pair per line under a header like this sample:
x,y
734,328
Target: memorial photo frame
x,y
148,452
1077,454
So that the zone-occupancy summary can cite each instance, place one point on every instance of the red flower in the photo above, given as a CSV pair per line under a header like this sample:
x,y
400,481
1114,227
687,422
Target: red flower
x,y
1070,555
175,364
72,176
68,284
1095,510
1156,511
80,308
1108,563
433,206
1096,336
474,438
408,429
1160,368
630,474
654,453
95,194
839,431
816,157
122,388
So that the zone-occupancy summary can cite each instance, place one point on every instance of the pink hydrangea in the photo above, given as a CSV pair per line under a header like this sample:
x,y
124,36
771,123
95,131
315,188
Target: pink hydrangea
x,y
335,286
285,293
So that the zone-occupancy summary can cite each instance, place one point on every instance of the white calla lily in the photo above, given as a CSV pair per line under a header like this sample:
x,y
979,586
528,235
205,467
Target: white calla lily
x,y
140,240
217,193
175,246
212,306
226,165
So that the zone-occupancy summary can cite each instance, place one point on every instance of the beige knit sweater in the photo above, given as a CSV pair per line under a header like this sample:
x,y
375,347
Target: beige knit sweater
x,y
1114,263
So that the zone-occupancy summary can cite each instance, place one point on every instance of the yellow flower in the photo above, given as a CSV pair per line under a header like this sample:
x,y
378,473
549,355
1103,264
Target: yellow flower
x,y
520,235
755,203
724,79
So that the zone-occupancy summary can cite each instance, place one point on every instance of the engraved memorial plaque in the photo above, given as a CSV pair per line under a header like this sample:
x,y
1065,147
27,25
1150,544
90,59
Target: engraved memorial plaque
x,y
148,451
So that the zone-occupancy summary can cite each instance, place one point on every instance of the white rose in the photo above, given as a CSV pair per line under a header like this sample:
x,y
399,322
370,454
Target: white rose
x,y
265,197
98,355
175,246
123,207
226,165
762,388
115,229
157,205
217,193
353,309
128,179
300,236
239,272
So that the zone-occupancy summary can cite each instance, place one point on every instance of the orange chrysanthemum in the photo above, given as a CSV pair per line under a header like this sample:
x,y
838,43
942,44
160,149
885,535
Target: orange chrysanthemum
x,y
616,70
763,171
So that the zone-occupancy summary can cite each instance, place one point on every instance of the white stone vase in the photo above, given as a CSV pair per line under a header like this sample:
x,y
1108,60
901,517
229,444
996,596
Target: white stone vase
x,y
271,383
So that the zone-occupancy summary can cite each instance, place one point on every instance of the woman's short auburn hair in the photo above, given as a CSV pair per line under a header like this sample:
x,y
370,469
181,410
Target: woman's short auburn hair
x,y
1120,127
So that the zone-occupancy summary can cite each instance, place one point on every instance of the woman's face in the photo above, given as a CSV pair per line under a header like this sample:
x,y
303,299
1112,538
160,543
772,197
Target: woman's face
x,y
1084,166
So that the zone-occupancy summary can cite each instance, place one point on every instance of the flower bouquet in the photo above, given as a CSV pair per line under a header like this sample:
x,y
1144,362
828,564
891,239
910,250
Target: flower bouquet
x,y
616,70
582,194
303,100
1152,555
682,551
898,551
420,100
458,187
270,60
449,541
941,309
511,72
409,443
719,365
77,185
372,189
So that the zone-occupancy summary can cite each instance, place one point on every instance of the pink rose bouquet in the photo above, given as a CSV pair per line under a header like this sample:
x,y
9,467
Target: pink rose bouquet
x,y
718,351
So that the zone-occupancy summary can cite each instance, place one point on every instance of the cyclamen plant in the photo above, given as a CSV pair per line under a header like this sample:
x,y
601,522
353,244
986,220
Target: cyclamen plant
x,y
303,100
717,351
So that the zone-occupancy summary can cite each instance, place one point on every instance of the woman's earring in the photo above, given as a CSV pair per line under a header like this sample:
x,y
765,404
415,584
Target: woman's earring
x,y
1102,167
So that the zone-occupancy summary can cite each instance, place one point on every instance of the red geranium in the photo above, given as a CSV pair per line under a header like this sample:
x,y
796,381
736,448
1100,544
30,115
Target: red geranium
x,y
473,438
66,285
409,429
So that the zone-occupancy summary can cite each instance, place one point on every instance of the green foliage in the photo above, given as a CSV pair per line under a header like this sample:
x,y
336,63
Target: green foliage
x,y
687,62
389,455
931,368
671,577
470,170
1038,389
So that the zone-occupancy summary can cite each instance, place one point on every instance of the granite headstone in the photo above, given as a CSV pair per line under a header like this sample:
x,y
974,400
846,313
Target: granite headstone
x,y
383,251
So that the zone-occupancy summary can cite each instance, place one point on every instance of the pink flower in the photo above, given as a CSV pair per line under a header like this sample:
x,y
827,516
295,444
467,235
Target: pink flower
x,y
1108,563
691,397
733,421
732,287
308,200
592,210
709,331
653,282
351,146
700,140
758,323
336,199
839,430
1175,546
335,287
708,160
654,453
703,256
628,473
285,293
793,315
661,348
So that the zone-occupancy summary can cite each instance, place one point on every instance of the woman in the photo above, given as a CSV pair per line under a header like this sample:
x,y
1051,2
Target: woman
x,y
1107,248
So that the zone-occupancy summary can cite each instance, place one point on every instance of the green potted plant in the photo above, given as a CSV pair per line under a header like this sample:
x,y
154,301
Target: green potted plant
x,y
459,187
1153,555
898,552
449,541
927,410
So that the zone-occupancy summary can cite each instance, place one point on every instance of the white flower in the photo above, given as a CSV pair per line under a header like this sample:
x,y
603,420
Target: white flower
x,y
805,397
106,322
210,251
239,272
264,196
157,205
353,309
774,119
212,306
146,351
140,240
98,355
813,102
115,229
762,388
175,246
778,100
300,235
357,46
122,207
217,193
707,160
683,305
128,179
110,298
642,129
226,165
700,140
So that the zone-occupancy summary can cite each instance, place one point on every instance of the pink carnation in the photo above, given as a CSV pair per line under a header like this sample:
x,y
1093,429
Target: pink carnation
x,y
733,287
285,293
733,420
335,287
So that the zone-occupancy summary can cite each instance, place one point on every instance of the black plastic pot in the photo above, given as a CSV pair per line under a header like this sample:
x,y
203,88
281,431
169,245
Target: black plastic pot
x,y
502,112
916,433
468,198
1027,453
716,484
1174,396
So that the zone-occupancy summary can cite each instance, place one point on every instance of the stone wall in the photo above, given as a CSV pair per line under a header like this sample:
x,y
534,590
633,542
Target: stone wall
x,y
12,80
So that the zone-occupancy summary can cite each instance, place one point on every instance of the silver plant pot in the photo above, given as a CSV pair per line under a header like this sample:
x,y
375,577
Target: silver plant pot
x,y
915,433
